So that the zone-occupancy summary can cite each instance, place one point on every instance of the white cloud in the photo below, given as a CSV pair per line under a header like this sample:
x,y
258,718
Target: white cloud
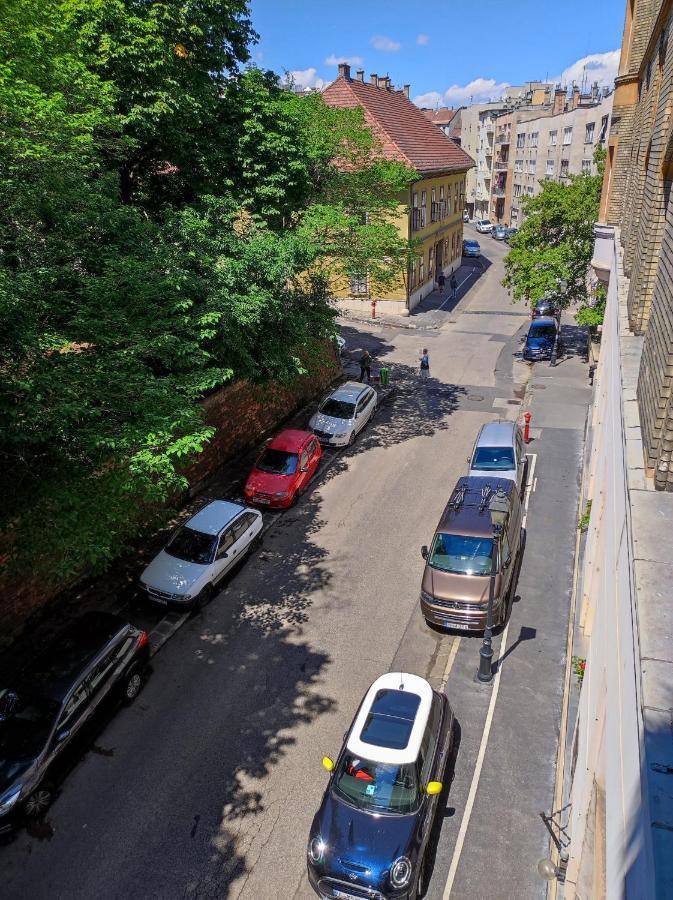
x,y
334,60
600,67
381,42
306,78
479,90
423,39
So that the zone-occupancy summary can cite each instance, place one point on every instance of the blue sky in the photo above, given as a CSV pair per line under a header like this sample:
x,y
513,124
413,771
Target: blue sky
x,y
448,51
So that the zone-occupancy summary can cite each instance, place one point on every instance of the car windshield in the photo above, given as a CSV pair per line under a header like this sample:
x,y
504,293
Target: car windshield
x,y
25,724
278,462
493,459
337,409
383,787
192,546
537,331
461,555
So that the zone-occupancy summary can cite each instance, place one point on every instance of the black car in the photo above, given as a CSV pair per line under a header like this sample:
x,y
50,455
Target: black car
x,y
543,333
47,703
546,307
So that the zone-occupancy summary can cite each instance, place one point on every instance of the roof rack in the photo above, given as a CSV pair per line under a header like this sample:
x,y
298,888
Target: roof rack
x,y
486,492
458,497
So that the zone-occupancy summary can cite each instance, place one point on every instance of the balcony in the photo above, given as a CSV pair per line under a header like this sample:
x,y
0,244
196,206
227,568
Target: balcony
x,y
502,137
498,190
501,165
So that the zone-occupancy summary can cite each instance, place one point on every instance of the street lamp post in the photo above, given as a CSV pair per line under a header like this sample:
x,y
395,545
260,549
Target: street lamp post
x,y
485,673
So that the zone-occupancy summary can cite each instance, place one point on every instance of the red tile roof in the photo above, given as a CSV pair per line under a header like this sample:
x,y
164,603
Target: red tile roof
x,y
440,116
405,133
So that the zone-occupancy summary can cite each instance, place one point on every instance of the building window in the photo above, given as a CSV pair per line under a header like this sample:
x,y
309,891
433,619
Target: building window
x,y
586,167
532,166
589,133
533,138
442,203
520,141
517,190
434,209
421,269
564,168
567,135
358,284
604,129
412,275
424,208
518,165
525,166
552,138
431,261
550,167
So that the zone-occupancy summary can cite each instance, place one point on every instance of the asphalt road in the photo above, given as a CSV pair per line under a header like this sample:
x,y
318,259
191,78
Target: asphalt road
x,y
206,787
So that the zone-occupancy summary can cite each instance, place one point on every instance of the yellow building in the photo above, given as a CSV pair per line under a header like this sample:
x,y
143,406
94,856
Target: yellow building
x,y
432,212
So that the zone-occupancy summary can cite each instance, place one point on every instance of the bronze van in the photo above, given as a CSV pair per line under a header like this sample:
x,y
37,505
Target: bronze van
x,y
479,539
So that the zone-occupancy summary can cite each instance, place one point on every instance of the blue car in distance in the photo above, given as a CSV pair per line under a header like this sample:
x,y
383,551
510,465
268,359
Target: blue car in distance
x,y
369,837
471,248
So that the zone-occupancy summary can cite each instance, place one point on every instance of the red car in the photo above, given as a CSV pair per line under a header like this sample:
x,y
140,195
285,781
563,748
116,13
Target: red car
x,y
286,466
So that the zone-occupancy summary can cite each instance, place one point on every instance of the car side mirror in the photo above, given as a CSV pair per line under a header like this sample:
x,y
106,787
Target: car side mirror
x,y
62,735
434,788
424,551
328,763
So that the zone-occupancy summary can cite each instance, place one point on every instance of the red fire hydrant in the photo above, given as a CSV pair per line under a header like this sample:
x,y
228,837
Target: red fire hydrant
x,y
373,309
526,428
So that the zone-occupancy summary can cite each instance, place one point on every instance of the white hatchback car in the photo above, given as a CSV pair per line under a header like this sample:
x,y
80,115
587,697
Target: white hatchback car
x,y
484,226
200,553
343,414
499,450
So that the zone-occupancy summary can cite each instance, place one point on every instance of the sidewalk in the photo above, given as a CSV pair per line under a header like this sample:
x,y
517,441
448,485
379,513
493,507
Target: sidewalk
x,y
506,766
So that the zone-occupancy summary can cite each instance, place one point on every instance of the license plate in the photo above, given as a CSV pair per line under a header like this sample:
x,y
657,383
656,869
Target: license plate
x,y
262,500
461,626
343,895
160,600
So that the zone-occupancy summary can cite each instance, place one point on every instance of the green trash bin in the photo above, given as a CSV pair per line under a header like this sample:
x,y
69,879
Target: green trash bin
x,y
385,376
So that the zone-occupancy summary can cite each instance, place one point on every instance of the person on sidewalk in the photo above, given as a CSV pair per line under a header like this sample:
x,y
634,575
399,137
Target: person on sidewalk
x,y
366,366
441,281
454,286
425,365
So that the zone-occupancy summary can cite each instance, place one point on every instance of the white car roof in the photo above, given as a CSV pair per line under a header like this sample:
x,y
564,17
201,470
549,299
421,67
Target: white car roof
x,y
401,682
351,390
497,434
213,517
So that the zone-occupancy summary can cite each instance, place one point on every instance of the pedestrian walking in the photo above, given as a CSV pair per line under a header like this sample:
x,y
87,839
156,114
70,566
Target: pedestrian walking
x,y
425,365
441,281
454,286
366,366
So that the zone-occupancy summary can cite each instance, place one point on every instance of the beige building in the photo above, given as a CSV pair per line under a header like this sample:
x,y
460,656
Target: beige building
x,y
477,138
554,147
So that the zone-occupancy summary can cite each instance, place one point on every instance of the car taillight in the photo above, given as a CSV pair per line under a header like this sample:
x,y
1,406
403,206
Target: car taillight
x,y
143,640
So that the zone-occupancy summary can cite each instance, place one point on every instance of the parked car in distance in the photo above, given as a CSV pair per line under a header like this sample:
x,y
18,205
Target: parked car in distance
x,y
466,216
546,307
510,234
200,553
343,414
498,232
540,339
45,705
483,226
370,836
499,450
467,552
471,248
283,470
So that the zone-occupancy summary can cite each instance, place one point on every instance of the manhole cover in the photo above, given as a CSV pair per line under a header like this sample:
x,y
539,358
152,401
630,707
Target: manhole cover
x,y
477,398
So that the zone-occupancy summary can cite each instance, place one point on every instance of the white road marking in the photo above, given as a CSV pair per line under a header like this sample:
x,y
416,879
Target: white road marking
x,y
485,736
449,663
535,485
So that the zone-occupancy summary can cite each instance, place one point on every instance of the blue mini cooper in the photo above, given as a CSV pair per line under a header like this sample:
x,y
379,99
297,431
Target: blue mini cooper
x,y
370,835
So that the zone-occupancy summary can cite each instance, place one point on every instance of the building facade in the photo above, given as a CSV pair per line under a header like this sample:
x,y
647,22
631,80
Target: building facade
x,y
431,213
552,148
477,138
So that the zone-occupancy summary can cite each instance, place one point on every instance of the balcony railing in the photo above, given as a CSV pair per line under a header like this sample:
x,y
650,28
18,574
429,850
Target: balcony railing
x,y
498,190
502,137
501,164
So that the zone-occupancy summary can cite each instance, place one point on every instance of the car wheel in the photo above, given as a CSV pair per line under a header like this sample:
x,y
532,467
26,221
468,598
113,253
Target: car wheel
x,y
39,802
132,684
203,597
351,439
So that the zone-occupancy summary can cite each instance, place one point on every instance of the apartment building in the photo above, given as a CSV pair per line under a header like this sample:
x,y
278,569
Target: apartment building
x,y
477,138
617,800
554,147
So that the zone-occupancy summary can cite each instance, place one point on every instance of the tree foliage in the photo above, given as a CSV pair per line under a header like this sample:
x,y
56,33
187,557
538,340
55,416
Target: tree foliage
x,y
169,224
555,242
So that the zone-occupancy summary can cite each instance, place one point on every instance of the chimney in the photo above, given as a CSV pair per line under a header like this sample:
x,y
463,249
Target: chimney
x,y
405,90
374,79
360,75
387,83
345,71
576,97
381,82
559,101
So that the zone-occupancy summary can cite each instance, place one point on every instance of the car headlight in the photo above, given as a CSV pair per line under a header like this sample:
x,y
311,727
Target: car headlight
x,y
8,799
282,494
400,872
316,849
340,434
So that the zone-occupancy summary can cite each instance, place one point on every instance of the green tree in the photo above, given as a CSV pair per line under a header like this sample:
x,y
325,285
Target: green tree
x,y
555,243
